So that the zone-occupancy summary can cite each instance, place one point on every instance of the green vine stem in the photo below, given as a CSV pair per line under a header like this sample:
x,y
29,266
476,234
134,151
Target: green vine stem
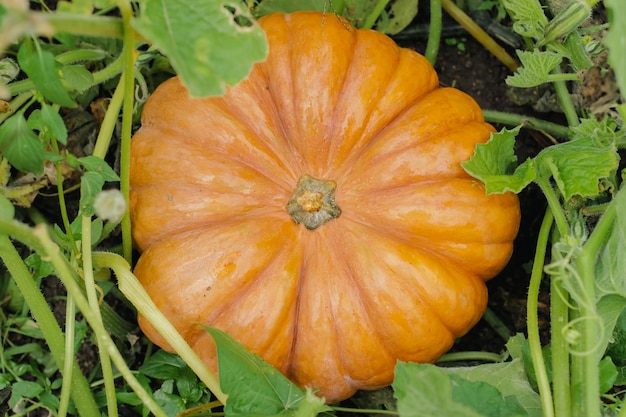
x,y
565,100
134,291
16,104
61,198
375,14
365,411
66,388
472,356
585,263
554,205
479,34
434,31
55,339
496,324
559,317
532,319
92,298
80,24
110,118
128,55
554,129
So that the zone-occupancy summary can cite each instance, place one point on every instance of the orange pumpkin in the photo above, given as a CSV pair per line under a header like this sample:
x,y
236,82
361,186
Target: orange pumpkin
x,y
318,211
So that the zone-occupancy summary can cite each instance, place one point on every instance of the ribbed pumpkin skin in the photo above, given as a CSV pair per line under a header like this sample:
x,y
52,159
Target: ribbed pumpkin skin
x,y
397,276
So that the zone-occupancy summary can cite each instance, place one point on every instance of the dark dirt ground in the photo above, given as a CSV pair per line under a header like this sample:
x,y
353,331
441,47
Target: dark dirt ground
x,y
475,71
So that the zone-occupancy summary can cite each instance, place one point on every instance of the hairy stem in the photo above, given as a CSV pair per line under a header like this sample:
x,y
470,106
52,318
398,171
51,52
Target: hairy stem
x,y
479,34
127,122
434,31
92,298
565,100
494,116
534,342
559,317
66,388
80,24
375,14
590,401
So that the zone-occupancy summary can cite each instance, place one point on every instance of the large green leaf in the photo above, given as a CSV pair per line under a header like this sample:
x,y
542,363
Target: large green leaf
x,y
254,387
578,165
210,43
425,390
495,164
611,273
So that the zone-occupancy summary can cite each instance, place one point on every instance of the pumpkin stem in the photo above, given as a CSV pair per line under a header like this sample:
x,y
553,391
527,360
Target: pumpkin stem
x,y
313,202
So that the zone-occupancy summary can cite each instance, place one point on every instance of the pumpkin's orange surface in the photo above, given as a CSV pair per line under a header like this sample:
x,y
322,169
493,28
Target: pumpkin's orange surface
x,y
398,274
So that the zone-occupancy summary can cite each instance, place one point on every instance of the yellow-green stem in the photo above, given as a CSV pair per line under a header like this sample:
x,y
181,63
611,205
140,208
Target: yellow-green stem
x,y
559,318
110,118
534,342
479,34
127,121
61,196
92,298
434,31
66,388
136,294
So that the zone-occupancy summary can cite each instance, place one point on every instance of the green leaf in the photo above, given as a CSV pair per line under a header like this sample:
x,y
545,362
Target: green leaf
x,y
616,40
424,390
162,365
39,267
608,374
528,17
535,69
603,131
26,389
210,43
509,378
401,14
78,77
52,123
188,385
94,164
610,273
484,398
253,386
495,164
170,403
43,70
90,185
578,166
616,348
395,18
20,145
